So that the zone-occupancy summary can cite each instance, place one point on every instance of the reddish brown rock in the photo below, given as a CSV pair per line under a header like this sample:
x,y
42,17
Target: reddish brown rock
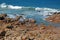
x,y
14,30
54,18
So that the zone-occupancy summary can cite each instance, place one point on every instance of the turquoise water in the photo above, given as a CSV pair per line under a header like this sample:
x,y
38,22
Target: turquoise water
x,y
38,15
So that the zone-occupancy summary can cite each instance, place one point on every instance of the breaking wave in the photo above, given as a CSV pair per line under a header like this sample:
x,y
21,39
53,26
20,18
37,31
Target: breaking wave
x,y
4,5
4,8
37,13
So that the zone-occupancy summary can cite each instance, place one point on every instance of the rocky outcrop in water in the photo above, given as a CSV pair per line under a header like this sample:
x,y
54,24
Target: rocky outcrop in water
x,y
54,18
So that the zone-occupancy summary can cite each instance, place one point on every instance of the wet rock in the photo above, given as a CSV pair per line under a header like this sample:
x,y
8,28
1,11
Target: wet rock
x,y
55,13
3,15
1,18
58,13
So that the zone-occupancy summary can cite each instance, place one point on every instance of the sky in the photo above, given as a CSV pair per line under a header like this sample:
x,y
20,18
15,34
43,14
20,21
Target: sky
x,y
33,3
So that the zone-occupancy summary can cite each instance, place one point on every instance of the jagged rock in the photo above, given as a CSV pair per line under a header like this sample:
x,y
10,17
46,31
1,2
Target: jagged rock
x,y
2,34
3,15
9,20
32,32
1,18
56,13
54,18
9,27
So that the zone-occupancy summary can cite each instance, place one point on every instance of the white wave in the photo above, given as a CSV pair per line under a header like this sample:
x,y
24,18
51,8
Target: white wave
x,y
47,9
14,7
40,11
4,5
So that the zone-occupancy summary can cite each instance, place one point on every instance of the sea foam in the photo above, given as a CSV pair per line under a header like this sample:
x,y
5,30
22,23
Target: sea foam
x,y
28,10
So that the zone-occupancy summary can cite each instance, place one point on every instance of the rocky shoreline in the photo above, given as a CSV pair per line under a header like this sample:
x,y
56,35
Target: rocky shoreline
x,y
19,28
54,18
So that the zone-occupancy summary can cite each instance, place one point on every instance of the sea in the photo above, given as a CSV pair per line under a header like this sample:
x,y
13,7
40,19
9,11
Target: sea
x,y
36,9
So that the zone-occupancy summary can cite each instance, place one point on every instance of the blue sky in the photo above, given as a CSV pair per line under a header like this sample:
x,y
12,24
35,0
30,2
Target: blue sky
x,y
34,3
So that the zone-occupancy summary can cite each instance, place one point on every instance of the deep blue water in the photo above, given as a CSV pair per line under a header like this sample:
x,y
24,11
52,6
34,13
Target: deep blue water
x,y
34,3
